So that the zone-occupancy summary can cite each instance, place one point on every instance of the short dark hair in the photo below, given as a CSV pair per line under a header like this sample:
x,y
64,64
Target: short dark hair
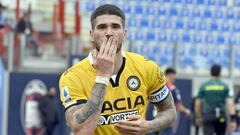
x,y
215,70
107,9
170,71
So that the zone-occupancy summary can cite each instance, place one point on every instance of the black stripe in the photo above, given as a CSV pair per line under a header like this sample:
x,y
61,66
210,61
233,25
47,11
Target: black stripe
x,y
162,100
158,89
118,74
81,101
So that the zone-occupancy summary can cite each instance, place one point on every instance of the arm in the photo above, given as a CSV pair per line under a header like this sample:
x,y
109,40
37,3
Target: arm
x,y
232,113
83,118
197,109
181,108
166,115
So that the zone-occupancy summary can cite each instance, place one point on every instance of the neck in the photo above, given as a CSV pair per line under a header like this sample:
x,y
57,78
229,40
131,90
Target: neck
x,y
118,62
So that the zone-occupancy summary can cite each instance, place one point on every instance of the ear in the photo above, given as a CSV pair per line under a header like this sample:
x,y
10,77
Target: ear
x,y
125,33
91,35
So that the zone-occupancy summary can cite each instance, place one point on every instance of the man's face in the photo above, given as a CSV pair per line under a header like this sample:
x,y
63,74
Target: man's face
x,y
171,77
107,26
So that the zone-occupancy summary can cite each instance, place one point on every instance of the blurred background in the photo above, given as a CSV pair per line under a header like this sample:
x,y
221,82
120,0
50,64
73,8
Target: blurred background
x,y
188,35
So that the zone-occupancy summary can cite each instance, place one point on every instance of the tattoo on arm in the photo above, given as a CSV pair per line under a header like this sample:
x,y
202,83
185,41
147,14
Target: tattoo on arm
x,y
93,105
166,115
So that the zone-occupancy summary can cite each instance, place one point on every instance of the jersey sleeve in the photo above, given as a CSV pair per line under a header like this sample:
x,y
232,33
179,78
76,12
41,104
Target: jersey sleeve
x,y
71,93
157,90
176,95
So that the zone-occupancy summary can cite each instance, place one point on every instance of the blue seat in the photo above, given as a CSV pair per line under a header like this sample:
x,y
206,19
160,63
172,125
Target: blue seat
x,y
157,49
179,24
188,1
236,27
155,23
150,10
173,11
209,38
162,11
225,62
174,37
186,37
162,37
207,13
224,27
144,22
167,24
90,6
232,40
218,14
237,3
230,14
222,2
200,1
226,52
139,36
192,51
196,12
197,38
138,9
150,36
132,22
185,12
214,26
186,62
220,39
126,8
191,25
237,63
212,2
177,1
202,26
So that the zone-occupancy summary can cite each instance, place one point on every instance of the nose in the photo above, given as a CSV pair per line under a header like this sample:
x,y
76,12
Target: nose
x,y
109,32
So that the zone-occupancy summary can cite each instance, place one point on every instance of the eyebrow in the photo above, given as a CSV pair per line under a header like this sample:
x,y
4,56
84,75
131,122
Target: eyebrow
x,y
104,24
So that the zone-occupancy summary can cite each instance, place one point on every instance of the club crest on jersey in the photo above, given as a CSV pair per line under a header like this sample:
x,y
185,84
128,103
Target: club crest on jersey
x,y
65,94
133,83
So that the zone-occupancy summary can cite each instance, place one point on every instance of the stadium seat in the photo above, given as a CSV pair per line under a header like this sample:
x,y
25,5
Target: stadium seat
x,y
220,39
179,24
207,13
200,1
161,11
222,2
196,12
144,22
90,6
138,9
213,26
236,27
173,11
150,36
186,37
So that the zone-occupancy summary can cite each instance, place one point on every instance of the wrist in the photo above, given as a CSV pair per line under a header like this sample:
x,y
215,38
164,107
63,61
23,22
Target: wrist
x,y
102,80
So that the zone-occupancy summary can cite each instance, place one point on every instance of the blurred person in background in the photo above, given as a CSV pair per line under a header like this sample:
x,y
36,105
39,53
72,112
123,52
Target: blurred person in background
x,y
210,106
237,104
171,77
2,16
49,111
24,26
107,93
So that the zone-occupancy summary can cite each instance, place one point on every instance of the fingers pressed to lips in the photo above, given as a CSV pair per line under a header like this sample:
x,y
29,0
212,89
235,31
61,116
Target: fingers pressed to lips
x,y
107,46
102,48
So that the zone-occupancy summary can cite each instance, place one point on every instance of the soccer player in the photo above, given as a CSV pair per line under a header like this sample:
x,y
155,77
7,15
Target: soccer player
x,y
107,93
171,77
213,97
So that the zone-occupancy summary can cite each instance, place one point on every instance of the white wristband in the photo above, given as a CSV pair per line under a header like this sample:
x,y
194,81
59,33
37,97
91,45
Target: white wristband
x,y
102,80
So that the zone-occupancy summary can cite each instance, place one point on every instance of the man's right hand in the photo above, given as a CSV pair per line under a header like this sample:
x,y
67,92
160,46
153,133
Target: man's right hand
x,y
103,60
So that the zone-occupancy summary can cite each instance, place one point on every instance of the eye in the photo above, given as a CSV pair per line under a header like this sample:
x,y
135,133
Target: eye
x,y
101,26
116,26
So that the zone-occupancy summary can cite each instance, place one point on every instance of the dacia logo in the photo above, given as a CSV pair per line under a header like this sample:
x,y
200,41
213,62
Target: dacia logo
x,y
108,106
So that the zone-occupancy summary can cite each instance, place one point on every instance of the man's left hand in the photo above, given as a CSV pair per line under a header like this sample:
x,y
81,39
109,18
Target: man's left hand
x,y
135,125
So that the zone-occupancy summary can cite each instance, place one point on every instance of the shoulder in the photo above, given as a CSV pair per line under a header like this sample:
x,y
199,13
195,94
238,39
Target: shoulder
x,y
77,69
140,61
